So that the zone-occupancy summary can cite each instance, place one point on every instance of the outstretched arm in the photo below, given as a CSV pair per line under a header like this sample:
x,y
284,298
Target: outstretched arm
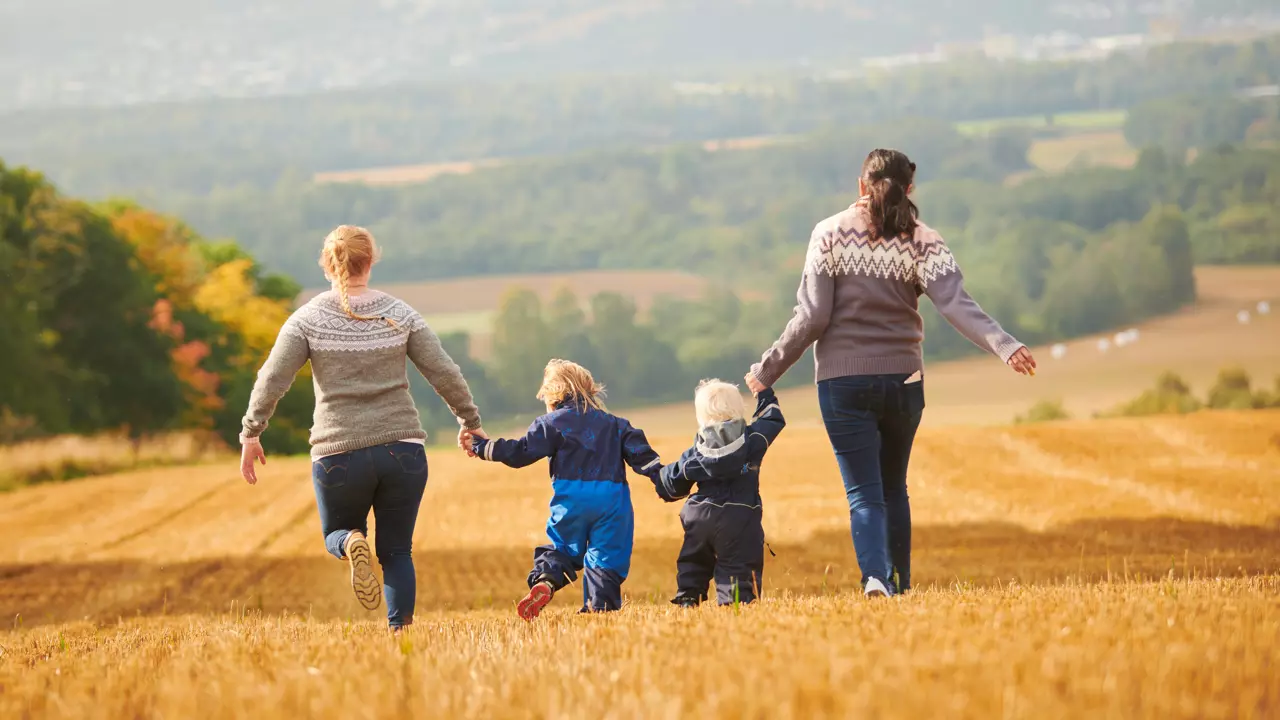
x,y
275,377
677,479
768,421
444,375
940,277
638,453
540,442
810,318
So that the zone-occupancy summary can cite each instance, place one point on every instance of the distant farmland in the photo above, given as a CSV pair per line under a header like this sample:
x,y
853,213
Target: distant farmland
x,y
468,304
1100,141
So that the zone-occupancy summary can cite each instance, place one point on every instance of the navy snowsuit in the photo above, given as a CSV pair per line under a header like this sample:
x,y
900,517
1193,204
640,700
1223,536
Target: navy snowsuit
x,y
723,534
592,523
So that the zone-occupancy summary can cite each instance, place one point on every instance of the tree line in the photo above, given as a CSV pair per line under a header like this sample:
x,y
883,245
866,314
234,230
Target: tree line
x,y
165,329
198,147
118,318
1179,124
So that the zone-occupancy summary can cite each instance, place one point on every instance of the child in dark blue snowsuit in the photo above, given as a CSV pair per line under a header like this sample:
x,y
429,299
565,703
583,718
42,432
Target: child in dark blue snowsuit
x,y
592,524
723,533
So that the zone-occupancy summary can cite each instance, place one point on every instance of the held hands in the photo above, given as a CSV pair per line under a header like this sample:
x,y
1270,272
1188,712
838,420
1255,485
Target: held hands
x,y
1023,363
754,384
251,453
465,438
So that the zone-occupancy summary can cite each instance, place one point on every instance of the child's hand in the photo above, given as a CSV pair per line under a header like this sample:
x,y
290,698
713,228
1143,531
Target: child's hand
x,y
466,442
754,384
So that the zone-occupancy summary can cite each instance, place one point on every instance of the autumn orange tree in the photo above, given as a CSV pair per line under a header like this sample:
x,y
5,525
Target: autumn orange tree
x,y
118,318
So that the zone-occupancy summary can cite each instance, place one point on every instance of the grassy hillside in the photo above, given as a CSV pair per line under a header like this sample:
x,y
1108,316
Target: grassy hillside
x,y
1076,568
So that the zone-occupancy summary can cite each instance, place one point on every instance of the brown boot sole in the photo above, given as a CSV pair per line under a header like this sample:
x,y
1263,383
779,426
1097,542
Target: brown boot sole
x,y
365,584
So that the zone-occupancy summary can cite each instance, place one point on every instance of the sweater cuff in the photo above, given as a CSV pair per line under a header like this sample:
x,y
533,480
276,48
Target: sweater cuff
x,y
1007,348
472,424
766,379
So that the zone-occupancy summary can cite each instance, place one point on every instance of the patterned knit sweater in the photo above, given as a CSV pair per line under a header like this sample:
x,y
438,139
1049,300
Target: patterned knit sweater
x,y
858,300
359,371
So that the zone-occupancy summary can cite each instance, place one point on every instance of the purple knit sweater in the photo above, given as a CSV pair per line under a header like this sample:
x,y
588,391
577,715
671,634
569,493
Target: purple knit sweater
x,y
859,301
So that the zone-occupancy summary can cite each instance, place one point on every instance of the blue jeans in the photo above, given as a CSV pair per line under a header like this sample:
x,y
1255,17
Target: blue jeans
x,y
390,480
872,421
591,528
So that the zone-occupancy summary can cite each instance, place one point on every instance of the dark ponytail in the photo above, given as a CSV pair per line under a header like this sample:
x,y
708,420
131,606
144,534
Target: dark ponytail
x,y
887,175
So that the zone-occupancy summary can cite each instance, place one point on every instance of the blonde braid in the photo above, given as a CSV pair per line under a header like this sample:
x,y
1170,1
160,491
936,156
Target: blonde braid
x,y
337,261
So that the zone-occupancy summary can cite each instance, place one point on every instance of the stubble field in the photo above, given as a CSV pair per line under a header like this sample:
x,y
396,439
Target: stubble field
x,y
1126,568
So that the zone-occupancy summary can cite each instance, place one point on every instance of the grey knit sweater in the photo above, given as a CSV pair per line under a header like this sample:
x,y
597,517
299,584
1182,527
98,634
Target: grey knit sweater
x,y
858,300
359,372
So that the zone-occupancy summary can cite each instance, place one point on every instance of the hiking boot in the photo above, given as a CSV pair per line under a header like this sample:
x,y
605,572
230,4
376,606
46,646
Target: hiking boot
x,y
365,584
540,593
685,601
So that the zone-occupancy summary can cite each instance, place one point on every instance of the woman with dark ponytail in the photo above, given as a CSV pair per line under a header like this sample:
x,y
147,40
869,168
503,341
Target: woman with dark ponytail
x,y
858,301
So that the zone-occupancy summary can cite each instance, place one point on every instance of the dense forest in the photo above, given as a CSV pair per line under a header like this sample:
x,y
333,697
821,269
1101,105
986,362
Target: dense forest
x,y
195,147
1180,123
114,317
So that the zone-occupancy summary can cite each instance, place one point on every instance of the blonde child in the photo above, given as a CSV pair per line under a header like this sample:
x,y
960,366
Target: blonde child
x,y
723,533
592,524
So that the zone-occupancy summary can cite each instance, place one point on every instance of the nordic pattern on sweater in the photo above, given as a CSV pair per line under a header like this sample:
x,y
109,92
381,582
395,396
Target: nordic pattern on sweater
x,y
916,260
859,302
359,372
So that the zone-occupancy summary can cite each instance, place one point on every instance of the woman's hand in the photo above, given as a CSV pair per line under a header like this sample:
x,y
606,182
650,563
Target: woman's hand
x,y
250,453
1022,362
464,439
754,384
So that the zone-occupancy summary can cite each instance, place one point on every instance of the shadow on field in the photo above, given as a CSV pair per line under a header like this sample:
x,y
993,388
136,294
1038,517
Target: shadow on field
x,y
971,555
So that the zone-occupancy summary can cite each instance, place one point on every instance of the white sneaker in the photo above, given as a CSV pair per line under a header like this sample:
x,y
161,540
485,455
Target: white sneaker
x,y
875,589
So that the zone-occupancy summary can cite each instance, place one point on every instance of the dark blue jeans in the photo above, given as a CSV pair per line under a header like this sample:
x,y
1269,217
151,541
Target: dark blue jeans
x,y
872,421
390,480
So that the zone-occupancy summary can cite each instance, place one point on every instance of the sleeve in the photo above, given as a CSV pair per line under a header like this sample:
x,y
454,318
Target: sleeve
x,y
768,421
940,277
811,316
638,453
444,375
542,441
287,357
677,479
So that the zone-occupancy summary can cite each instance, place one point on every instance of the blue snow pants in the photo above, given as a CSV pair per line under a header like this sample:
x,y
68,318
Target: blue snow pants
x,y
591,529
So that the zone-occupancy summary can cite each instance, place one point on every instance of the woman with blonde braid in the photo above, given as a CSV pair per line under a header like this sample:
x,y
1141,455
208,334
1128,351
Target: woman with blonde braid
x,y
367,443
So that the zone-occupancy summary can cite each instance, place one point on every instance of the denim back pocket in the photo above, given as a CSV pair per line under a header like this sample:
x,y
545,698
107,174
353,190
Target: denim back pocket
x,y
856,395
911,398
331,472
411,457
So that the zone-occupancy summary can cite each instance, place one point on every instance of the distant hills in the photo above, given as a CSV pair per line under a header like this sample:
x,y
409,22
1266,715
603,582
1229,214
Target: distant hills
x,y
56,52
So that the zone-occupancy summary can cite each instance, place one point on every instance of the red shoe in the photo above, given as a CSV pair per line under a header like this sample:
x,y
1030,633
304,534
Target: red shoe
x,y
539,595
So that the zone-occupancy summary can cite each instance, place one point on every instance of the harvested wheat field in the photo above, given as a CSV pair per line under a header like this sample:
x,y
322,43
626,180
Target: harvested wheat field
x,y
1124,568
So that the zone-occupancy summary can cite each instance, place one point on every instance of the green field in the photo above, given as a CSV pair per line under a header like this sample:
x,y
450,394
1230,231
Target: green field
x,y
1092,120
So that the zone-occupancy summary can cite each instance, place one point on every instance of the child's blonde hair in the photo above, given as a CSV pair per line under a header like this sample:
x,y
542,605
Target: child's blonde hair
x,y
716,401
565,381
348,251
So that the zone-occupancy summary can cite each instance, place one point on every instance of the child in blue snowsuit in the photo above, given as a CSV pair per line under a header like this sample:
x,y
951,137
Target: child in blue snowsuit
x,y
592,524
723,532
